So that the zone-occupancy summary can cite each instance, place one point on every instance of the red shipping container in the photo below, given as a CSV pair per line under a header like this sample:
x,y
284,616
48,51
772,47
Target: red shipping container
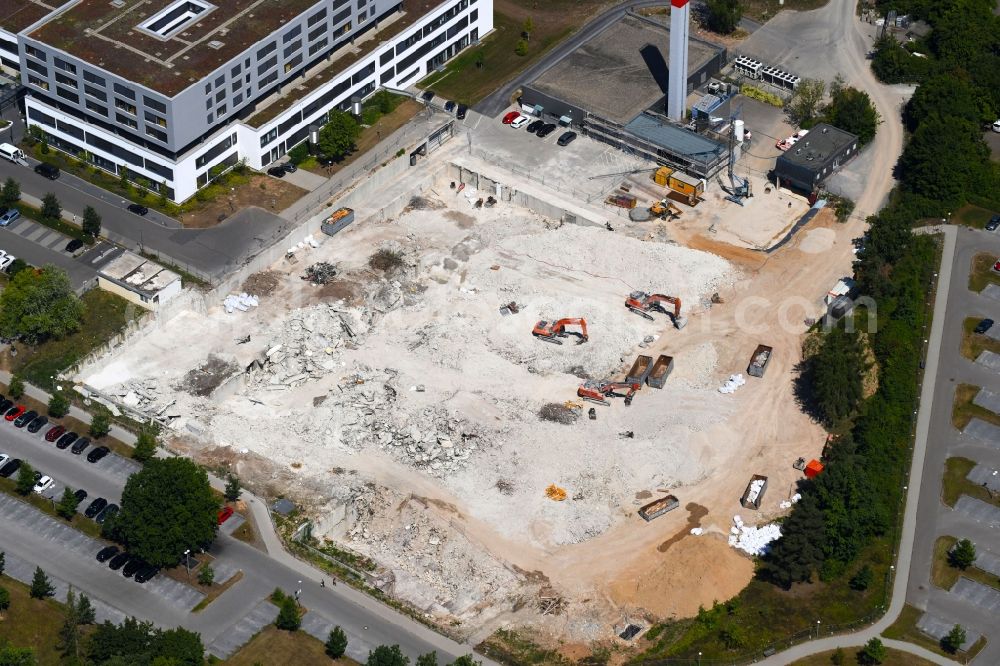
x,y
813,469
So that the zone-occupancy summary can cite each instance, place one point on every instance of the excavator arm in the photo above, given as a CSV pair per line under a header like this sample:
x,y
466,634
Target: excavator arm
x,y
599,391
663,298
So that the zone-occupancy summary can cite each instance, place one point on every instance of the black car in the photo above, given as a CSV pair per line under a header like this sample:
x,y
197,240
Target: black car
x,y
66,440
993,223
74,245
110,511
47,170
80,495
12,466
119,560
5,404
277,172
80,444
12,409
138,209
289,167
38,423
98,453
545,130
427,96
134,565
566,138
983,326
145,573
535,126
462,110
95,507
449,106
25,419
105,554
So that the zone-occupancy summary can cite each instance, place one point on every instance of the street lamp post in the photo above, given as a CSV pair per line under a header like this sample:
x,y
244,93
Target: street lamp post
x,y
699,658
817,628
187,562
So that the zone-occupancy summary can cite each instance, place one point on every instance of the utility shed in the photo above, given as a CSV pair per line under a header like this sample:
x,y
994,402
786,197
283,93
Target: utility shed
x,y
816,157
139,280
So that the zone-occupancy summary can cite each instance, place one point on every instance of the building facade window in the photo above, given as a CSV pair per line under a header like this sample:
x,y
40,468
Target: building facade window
x,y
124,106
41,69
94,78
125,120
40,83
63,65
95,92
65,80
35,53
124,91
97,108
68,94
154,104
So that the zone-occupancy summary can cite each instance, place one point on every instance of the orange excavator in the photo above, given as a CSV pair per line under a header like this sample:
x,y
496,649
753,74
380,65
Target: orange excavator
x,y
598,391
641,303
552,331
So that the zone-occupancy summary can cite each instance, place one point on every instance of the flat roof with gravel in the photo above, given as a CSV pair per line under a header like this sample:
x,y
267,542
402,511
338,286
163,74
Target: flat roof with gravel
x,y
621,71
16,15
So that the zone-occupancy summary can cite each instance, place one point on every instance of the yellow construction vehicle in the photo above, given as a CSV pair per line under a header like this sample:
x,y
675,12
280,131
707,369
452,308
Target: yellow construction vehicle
x,y
664,209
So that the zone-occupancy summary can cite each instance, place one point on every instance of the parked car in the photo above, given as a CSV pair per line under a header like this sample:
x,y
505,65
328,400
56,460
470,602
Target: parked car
x,y
106,553
45,170
427,96
95,507
80,444
43,484
449,106
3,459
98,453
510,117
993,223
6,261
80,495
138,209
276,171
9,468
66,440
9,216
14,412
54,433
225,514
110,511
462,110
996,125
145,573
545,130
25,419
38,423
5,404
289,167
566,138
535,126
119,560
520,121
134,565
983,326
74,245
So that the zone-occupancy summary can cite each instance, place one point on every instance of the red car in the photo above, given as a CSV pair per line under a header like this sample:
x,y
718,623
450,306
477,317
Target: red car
x,y
54,433
225,514
14,412
510,117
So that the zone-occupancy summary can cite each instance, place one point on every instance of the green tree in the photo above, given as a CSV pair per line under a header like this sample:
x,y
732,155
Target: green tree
x,y
872,653
894,64
336,643
206,576
289,618
16,387
962,554
84,610
838,657
852,110
163,201
953,640
58,405
337,137
945,97
69,633
37,305
68,504
51,208
145,444
41,586
233,488
529,27
480,59
25,479
466,660
100,425
723,15
178,647
522,47
945,177
11,193
862,580
4,600
13,656
91,222
429,659
132,639
166,508
803,105
123,178
16,267
385,655
837,371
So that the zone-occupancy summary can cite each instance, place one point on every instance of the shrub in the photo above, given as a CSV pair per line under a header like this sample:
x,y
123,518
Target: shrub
x,y
761,96
522,47
58,405
16,387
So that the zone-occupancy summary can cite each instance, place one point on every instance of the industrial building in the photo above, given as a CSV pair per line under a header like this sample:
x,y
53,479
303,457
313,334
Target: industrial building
x,y
614,87
815,157
169,90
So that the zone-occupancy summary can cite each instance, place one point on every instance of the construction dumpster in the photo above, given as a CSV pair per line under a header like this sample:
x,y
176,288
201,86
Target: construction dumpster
x,y
758,362
337,221
660,371
622,200
657,508
813,469
662,175
640,370
754,494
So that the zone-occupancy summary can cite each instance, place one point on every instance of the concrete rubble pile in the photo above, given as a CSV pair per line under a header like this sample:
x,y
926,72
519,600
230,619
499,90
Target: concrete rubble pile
x,y
145,395
750,539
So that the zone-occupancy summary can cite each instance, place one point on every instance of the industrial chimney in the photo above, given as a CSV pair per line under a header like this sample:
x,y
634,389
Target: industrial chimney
x,y
680,17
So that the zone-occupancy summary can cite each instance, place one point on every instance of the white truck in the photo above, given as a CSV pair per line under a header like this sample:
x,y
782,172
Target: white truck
x,y
9,151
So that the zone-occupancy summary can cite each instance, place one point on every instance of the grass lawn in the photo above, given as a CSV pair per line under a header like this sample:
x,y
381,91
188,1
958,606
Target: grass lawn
x,y
104,315
972,216
31,622
892,658
944,575
973,344
955,484
982,272
964,410
905,629
80,522
282,648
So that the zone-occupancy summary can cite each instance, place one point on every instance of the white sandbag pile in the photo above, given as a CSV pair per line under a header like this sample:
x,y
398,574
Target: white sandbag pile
x,y
733,383
751,539
243,302
787,504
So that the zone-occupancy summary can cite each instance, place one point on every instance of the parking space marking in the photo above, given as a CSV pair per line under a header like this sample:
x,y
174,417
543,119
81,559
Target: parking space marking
x,y
22,229
231,639
119,466
35,234
978,510
989,359
231,524
224,570
988,562
937,628
51,239
986,433
982,596
985,476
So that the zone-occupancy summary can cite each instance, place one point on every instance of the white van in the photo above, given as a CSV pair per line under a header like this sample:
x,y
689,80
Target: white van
x,y
11,152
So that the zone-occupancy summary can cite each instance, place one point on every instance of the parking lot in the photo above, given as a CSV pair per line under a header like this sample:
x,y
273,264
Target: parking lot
x,y
38,245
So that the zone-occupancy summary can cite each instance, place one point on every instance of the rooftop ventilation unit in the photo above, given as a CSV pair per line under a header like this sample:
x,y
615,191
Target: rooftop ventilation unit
x,y
117,4
215,44
175,17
